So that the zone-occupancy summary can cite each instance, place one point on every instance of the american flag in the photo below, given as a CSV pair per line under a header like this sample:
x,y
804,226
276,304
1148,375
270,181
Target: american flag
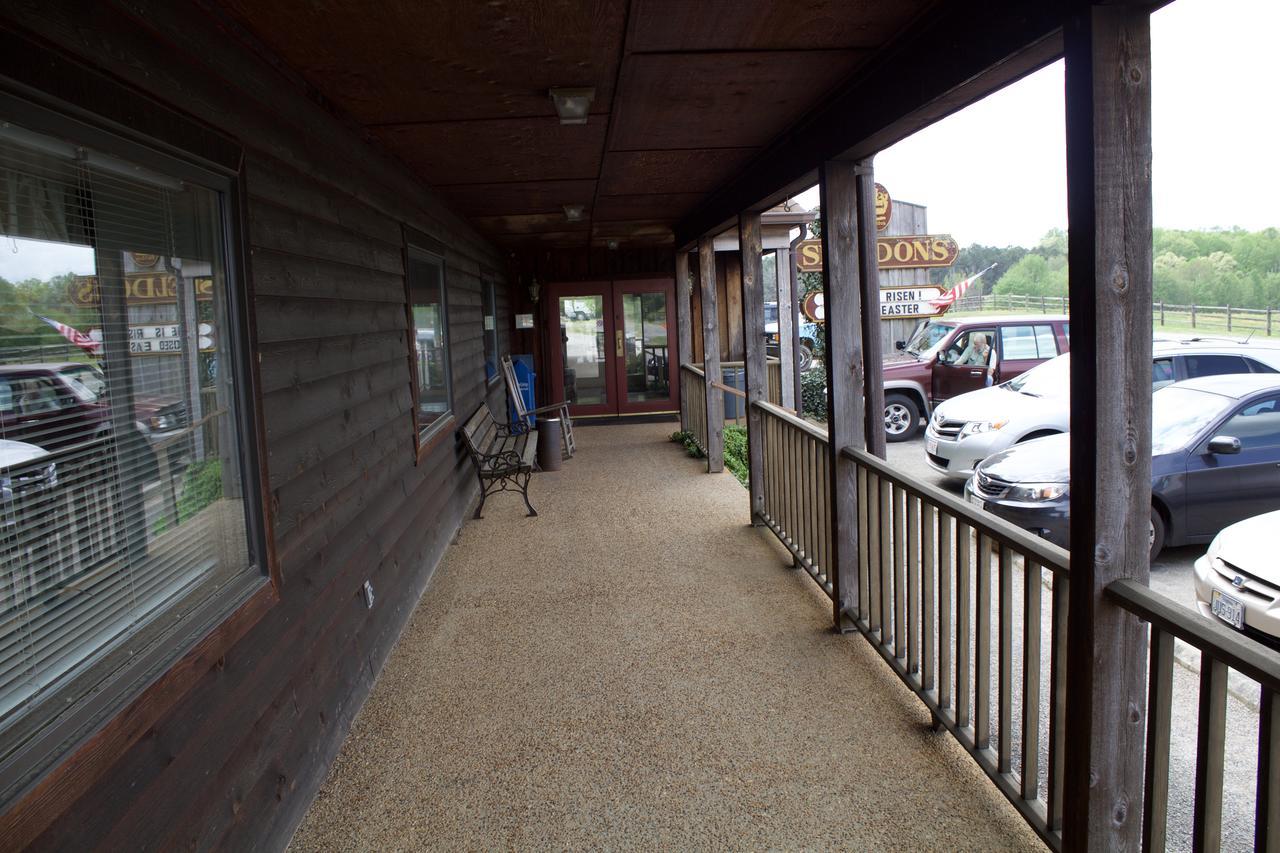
x,y
76,337
946,300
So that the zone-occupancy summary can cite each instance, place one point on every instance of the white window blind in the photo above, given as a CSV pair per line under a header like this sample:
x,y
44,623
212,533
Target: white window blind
x,y
122,509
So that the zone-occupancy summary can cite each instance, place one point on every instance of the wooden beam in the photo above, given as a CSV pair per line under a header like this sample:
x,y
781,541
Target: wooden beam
x,y
684,324
757,377
846,420
786,326
869,280
1108,120
966,50
794,377
711,355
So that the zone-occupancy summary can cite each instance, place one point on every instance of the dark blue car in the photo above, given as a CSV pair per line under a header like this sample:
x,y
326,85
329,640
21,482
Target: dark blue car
x,y
1215,460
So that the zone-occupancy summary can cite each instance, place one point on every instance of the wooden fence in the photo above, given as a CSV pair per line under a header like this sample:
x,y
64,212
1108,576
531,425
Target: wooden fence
x,y
693,394
1208,318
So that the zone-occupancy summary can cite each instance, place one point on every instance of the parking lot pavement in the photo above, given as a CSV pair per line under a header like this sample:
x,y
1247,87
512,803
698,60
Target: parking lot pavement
x,y
1171,574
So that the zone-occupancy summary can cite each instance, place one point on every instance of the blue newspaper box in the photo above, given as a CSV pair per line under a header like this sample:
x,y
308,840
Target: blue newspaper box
x,y
525,382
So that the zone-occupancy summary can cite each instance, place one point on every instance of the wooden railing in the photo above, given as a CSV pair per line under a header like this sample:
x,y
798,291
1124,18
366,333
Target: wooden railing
x,y
797,489
936,597
693,393
1220,650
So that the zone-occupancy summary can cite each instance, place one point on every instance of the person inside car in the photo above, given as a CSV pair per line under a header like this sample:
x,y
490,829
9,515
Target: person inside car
x,y
977,352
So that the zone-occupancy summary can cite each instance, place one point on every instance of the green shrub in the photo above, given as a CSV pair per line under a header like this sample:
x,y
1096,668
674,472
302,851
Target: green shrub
x,y
813,384
691,446
735,453
201,486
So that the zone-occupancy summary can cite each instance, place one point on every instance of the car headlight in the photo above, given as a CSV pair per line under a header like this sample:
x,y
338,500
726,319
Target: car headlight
x,y
162,422
937,417
976,427
1033,492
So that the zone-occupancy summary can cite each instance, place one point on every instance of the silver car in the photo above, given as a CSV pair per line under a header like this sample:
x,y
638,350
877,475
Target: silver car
x,y
1238,580
967,429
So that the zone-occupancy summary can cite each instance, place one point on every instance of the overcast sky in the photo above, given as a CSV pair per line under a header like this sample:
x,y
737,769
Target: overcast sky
x,y
995,173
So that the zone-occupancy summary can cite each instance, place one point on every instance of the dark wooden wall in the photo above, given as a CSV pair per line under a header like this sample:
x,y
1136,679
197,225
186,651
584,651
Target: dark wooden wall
x,y
237,759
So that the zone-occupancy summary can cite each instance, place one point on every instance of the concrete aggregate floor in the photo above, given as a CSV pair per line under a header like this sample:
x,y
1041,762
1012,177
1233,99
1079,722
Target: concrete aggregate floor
x,y
638,668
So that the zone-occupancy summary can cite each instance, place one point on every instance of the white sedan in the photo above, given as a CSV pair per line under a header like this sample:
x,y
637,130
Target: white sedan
x,y
1238,578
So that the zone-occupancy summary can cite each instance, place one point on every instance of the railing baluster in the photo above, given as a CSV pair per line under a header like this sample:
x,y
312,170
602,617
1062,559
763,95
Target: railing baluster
x,y
1030,679
982,648
1210,754
1004,708
1267,820
1155,813
864,543
1057,697
886,564
874,535
899,573
964,624
928,563
946,566
912,572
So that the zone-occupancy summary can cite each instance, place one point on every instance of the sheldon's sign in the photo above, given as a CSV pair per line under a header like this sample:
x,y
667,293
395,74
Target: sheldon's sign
x,y
139,288
915,252
903,302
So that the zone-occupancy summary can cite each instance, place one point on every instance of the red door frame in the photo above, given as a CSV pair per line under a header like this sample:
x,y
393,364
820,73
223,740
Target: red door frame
x,y
610,293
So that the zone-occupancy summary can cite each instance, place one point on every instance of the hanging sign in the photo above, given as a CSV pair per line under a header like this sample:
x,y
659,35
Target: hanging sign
x,y
914,252
884,207
813,307
908,302
139,289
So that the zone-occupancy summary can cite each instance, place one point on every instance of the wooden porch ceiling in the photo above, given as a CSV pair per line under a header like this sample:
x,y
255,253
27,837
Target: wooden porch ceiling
x,y
686,94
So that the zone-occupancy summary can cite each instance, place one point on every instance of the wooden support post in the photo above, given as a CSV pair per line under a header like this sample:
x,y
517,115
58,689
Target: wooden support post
x,y
757,377
711,355
1228,318
1108,122
794,376
869,280
786,327
846,418
1162,315
684,321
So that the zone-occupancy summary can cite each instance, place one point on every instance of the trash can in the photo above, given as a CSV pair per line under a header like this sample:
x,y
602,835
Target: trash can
x,y
526,380
734,406
549,443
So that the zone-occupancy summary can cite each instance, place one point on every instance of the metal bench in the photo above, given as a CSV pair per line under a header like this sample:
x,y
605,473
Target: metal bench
x,y
525,416
504,455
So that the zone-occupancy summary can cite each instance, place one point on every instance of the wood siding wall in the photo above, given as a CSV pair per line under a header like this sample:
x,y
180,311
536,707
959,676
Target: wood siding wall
x,y
237,760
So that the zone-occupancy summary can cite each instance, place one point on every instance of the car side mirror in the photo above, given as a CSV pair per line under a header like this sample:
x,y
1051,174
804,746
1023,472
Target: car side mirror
x,y
900,345
1224,445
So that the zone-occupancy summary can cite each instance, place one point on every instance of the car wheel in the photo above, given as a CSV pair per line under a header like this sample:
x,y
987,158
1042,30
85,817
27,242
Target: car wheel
x,y
901,417
806,358
1156,534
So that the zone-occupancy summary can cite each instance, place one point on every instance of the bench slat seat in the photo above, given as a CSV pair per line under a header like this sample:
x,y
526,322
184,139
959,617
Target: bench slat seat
x,y
504,457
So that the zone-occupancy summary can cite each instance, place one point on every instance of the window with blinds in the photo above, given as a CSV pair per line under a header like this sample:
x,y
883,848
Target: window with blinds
x,y
123,520
432,389
489,308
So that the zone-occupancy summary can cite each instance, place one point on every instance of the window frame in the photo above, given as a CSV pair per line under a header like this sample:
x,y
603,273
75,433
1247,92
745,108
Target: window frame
x,y
82,740
426,439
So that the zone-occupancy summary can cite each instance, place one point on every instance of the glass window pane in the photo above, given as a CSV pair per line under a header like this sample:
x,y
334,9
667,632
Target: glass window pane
x,y
582,346
1256,425
1046,346
645,346
489,310
122,506
1214,365
1018,342
431,346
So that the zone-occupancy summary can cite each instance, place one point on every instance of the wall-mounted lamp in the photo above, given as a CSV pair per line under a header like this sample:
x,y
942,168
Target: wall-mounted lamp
x,y
573,212
572,105
534,289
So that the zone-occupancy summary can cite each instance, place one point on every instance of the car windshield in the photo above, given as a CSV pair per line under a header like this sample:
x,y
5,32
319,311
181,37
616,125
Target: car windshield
x,y
86,382
1051,379
1179,414
927,337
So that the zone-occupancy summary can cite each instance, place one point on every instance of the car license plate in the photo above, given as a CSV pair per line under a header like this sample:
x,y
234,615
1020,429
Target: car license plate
x,y
931,446
976,501
1227,609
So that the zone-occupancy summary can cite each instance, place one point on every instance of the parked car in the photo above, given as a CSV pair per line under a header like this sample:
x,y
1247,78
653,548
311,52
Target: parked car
x,y
967,429
773,348
1215,451
1238,578
24,469
945,357
57,405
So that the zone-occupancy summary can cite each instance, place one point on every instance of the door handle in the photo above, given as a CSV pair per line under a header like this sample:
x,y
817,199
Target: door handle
x,y
976,372
618,337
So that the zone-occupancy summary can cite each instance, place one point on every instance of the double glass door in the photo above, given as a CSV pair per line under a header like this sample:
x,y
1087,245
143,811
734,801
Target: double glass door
x,y
611,353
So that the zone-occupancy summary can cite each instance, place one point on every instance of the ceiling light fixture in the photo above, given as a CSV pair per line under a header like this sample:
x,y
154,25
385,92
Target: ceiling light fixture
x,y
573,212
572,105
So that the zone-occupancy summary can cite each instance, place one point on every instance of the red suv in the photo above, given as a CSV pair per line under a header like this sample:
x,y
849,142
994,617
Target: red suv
x,y
946,357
